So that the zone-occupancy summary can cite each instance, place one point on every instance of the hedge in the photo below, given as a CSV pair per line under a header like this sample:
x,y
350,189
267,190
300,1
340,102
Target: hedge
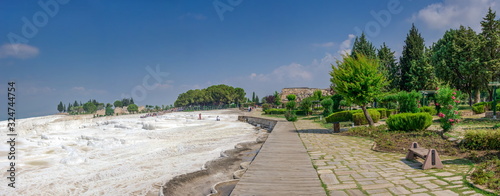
x,y
428,109
383,112
390,112
360,119
409,121
482,139
478,109
339,117
275,111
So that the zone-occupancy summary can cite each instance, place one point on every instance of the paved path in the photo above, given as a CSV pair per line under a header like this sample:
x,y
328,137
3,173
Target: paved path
x,y
347,166
282,167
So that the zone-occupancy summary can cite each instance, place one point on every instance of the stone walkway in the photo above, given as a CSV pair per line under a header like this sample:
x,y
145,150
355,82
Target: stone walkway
x,y
347,166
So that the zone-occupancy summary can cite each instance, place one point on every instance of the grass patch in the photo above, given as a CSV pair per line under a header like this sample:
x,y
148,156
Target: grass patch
x,y
488,174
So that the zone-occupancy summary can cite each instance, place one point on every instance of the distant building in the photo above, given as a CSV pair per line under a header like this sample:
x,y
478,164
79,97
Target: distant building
x,y
302,92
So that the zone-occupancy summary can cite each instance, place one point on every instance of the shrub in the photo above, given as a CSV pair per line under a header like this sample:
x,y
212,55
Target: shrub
x,y
275,111
291,105
383,112
487,105
360,119
448,99
266,106
408,102
390,112
306,105
291,97
291,116
482,139
339,117
478,109
428,109
328,106
409,121
300,112
389,101
496,126
336,101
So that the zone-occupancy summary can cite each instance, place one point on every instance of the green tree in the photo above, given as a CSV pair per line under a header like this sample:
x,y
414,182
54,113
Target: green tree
x,y
457,61
109,110
253,97
291,97
413,52
317,95
132,108
358,81
306,105
240,96
277,98
76,104
60,107
389,66
363,46
89,107
490,48
327,105
257,101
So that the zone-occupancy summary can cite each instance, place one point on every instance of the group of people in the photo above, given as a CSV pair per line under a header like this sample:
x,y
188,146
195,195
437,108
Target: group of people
x,y
217,118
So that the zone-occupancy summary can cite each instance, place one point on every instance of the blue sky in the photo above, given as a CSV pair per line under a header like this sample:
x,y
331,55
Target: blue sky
x,y
66,50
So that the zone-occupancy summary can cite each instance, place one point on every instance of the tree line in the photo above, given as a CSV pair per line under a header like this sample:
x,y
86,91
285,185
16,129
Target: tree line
x,y
462,58
93,105
213,95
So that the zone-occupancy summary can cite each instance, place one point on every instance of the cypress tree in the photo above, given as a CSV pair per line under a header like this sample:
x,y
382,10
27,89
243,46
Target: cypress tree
x,y
363,46
413,52
60,107
389,66
490,47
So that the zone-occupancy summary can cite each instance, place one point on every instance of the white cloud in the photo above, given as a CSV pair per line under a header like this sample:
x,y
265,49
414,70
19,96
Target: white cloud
x,y
194,16
84,91
324,45
453,13
32,90
345,47
20,51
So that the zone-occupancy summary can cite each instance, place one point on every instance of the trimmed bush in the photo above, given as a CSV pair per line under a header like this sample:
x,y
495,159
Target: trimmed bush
x,y
496,126
290,116
428,109
300,112
478,109
390,112
360,119
409,121
383,112
408,101
482,139
341,116
275,111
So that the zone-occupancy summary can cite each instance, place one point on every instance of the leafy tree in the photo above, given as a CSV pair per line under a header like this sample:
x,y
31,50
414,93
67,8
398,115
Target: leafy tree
x,y
291,97
118,104
277,98
306,105
76,104
490,48
132,108
240,96
327,105
336,102
413,52
317,95
457,61
269,99
389,66
109,110
358,81
363,46
68,109
60,107
89,107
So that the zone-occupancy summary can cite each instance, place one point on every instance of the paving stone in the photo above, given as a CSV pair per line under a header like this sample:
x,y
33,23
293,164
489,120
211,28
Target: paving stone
x,y
469,192
457,182
329,179
344,178
381,181
382,194
453,178
325,171
430,186
370,174
366,182
355,192
445,193
376,186
399,190
338,193
444,174
424,179
345,172
419,190
341,186
327,167
412,185
440,182
420,194
401,181
373,191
